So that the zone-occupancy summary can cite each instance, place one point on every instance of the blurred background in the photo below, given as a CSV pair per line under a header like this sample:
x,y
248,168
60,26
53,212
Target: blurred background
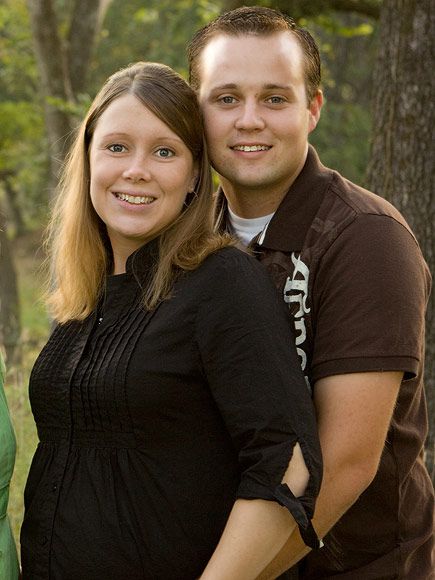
x,y
376,128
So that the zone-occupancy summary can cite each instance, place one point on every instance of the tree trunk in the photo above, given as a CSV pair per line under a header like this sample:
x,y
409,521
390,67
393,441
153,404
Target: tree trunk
x,y
86,20
63,68
14,206
10,326
55,85
402,157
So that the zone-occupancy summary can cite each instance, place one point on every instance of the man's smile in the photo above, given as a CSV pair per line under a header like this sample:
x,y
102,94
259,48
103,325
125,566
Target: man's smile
x,y
251,147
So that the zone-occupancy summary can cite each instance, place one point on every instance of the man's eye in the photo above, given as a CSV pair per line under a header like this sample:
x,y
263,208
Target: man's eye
x,y
276,100
164,152
227,100
116,148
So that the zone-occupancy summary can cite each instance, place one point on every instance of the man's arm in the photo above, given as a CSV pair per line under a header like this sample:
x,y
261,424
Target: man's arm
x,y
353,412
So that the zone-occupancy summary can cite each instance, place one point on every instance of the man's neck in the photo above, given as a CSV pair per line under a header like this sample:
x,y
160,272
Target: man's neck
x,y
254,202
250,204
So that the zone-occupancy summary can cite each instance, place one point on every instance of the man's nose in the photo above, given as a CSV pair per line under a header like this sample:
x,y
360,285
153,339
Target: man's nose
x,y
250,118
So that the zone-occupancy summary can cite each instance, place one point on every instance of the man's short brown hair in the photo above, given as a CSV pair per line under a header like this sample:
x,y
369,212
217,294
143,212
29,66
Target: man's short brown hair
x,y
261,21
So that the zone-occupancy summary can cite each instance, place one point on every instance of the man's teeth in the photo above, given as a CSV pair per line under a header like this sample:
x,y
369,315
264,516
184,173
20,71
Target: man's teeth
x,y
251,147
135,199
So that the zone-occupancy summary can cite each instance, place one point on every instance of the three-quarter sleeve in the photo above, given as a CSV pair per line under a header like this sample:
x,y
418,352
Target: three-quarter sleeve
x,y
245,338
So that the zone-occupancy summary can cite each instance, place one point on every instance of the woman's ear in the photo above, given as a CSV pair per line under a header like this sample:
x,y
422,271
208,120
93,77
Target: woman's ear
x,y
190,196
194,181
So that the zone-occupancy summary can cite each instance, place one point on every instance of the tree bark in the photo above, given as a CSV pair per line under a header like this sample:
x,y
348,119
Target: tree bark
x,y
87,17
55,84
10,325
402,155
14,206
63,67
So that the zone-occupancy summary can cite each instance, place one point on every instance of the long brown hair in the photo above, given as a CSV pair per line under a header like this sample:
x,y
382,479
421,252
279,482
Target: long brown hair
x,y
79,251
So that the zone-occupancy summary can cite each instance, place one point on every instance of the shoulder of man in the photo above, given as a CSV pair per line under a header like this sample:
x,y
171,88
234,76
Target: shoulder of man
x,y
360,201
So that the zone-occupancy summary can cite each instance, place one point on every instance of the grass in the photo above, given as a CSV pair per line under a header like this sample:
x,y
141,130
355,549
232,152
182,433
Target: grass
x,y
35,327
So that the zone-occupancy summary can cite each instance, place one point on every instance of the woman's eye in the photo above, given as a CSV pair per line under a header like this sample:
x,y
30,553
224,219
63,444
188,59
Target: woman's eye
x,y
116,148
164,152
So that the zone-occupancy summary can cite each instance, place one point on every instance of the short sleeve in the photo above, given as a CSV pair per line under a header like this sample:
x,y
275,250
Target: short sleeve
x,y
370,297
249,357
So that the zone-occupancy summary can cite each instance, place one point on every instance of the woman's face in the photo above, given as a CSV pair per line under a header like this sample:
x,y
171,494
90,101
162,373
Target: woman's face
x,y
141,172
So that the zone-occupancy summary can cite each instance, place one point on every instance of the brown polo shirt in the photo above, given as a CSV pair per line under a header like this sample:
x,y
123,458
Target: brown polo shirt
x,y
356,284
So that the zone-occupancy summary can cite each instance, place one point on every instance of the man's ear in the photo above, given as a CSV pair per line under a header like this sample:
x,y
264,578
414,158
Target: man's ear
x,y
314,110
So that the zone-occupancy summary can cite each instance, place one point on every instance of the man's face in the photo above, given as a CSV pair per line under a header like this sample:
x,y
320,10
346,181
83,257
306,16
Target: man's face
x,y
257,119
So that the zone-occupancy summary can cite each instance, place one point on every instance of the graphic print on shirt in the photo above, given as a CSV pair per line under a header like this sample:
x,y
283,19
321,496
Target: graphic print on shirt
x,y
296,292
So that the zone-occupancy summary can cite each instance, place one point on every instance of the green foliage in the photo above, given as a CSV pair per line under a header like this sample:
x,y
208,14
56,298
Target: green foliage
x,y
347,46
25,432
75,108
23,150
21,122
34,316
156,31
342,139
18,74
35,331
23,155
344,25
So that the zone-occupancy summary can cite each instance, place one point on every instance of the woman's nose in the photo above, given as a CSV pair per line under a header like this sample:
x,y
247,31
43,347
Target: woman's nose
x,y
137,169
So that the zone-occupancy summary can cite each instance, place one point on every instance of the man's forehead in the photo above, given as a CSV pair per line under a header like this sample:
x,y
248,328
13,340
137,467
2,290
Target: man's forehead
x,y
222,39
227,56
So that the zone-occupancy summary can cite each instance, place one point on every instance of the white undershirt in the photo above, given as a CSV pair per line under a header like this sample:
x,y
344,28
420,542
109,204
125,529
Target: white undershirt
x,y
246,229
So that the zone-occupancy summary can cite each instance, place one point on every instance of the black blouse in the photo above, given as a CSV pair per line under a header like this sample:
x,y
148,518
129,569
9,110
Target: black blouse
x,y
151,425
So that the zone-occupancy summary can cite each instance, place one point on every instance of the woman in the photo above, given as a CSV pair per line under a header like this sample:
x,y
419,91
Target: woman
x,y
8,553
169,399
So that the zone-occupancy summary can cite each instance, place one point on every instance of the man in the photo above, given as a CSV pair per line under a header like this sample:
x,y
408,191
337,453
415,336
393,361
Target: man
x,y
355,282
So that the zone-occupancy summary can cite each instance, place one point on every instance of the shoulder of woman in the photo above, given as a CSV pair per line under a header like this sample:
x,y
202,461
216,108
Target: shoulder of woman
x,y
231,270
232,258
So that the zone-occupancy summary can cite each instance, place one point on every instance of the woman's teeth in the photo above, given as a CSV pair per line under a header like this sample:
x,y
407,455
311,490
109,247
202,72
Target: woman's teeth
x,y
135,199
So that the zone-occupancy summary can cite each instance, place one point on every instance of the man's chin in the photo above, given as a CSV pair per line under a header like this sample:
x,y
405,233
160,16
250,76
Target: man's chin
x,y
252,183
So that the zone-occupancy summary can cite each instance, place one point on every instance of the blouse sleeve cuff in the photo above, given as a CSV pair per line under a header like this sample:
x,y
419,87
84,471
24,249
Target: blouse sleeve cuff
x,y
302,513
301,508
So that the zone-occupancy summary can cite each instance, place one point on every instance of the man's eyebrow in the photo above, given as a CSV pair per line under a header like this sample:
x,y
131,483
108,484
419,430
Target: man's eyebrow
x,y
268,86
225,87
280,87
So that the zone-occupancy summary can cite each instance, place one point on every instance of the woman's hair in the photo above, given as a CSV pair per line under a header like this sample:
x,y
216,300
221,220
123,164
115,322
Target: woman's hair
x,y
79,250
